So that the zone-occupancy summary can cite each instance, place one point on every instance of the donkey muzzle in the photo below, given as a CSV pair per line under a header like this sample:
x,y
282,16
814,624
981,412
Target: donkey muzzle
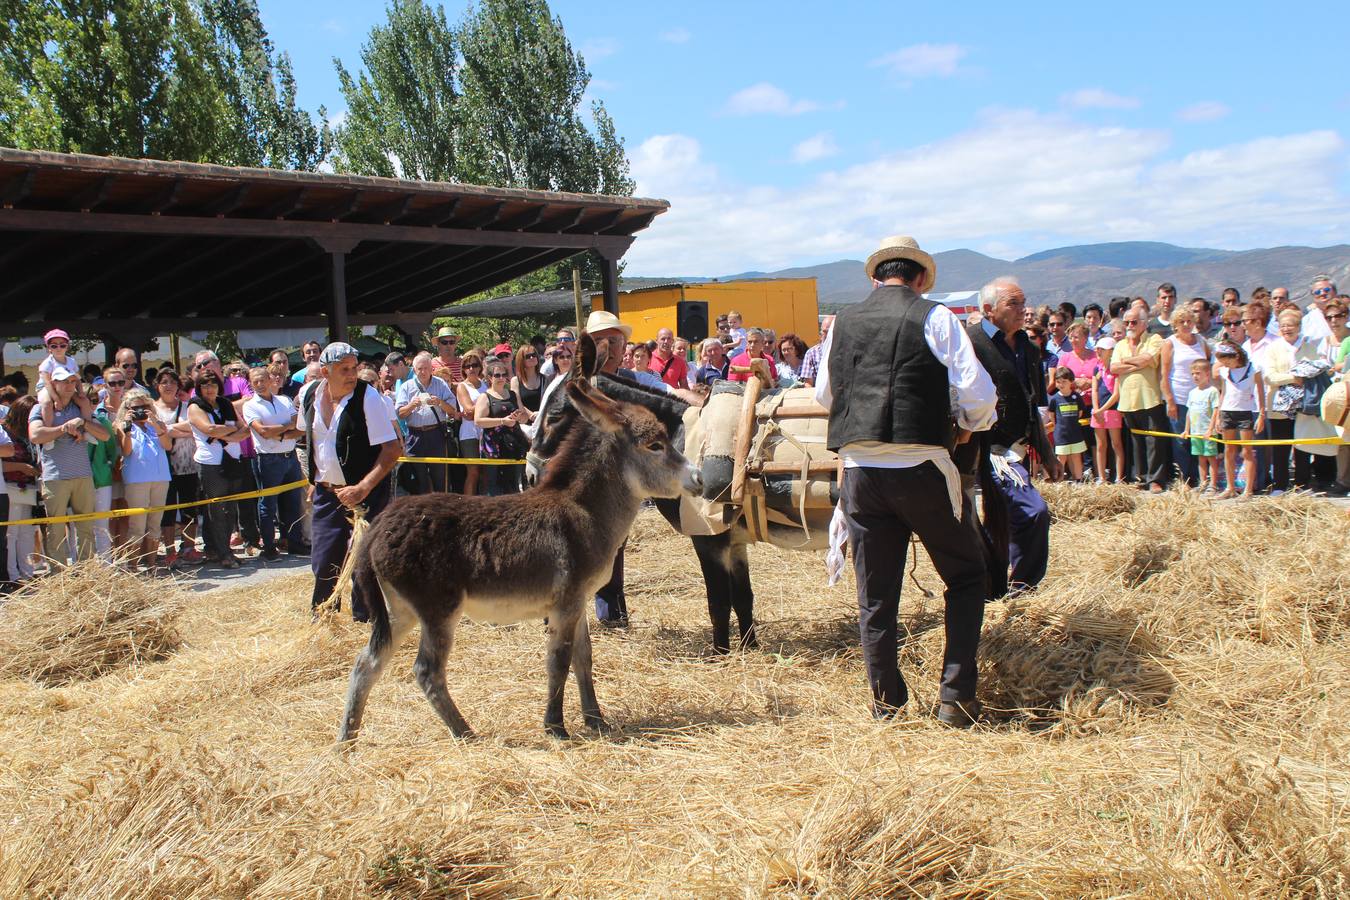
x,y
692,479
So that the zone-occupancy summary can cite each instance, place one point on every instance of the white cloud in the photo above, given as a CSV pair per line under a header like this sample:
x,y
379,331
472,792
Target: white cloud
x,y
675,35
1096,98
599,48
1021,180
767,99
337,119
818,146
1205,111
924,60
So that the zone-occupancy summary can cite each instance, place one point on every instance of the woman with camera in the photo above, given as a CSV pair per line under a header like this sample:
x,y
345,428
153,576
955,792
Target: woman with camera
x,y
145,445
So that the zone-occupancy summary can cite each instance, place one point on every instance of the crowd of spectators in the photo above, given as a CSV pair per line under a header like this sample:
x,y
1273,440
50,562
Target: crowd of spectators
x,y
92,441
1197,376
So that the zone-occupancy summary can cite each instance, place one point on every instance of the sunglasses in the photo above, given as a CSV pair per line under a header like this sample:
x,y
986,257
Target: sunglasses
x,y
55,345
562,356
565,339
496,374
117,384
531,356
1334,316
448,342
473,365
1322,292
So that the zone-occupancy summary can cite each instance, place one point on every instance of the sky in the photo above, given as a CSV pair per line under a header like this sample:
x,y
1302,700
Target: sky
x,y
792,134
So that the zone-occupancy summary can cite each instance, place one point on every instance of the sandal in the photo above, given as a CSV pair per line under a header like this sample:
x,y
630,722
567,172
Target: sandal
x,y
229,562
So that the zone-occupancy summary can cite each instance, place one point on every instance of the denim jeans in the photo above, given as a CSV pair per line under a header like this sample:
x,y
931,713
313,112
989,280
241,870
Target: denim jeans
x,y
275,469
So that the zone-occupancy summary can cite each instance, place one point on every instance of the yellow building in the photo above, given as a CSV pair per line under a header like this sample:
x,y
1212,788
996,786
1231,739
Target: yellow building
x,y
783,304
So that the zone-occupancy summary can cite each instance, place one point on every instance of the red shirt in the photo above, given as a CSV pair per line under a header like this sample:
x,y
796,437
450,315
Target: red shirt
x,y
743,359
673,371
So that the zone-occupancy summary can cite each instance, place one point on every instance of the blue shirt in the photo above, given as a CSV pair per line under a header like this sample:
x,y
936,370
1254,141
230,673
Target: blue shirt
x,y
148,460
425,414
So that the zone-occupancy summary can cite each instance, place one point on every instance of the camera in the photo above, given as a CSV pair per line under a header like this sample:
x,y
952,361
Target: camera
x,y
140,414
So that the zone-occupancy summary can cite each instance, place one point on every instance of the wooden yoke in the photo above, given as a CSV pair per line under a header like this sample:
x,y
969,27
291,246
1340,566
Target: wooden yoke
x,y
745,434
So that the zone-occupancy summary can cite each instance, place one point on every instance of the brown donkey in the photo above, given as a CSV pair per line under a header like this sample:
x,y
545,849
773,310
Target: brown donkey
x,y
541,554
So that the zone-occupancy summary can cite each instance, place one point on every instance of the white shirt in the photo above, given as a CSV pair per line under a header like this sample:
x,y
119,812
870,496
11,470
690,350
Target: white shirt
x,y
276,411
378,426
976,399
208,452
1315,325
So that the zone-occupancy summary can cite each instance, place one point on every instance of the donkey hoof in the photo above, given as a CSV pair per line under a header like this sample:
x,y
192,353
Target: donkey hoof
x,y
557,731
599,724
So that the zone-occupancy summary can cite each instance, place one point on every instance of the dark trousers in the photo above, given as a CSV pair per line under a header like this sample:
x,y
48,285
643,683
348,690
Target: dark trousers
x,y
425,478
610,603
275,469
248,509
502,480
883,508
1281,430
221,519
1029,530
5,583
1181,449
1152,455
330,534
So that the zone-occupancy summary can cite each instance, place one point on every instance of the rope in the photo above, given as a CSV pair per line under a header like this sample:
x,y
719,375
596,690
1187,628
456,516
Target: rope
x,y
1257,442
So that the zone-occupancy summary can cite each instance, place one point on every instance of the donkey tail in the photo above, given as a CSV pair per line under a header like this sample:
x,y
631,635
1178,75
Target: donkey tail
x,y
365,579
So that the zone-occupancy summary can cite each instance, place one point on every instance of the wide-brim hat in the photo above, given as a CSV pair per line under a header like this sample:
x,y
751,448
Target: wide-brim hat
x,y
902,246
604,320
447,331
1336,406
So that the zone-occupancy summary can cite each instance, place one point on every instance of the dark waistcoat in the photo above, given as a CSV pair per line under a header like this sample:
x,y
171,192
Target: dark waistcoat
x,y
1018,394
887,384
355,455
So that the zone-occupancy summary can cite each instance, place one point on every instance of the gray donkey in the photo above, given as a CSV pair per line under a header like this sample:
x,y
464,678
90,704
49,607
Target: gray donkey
x,y
541,554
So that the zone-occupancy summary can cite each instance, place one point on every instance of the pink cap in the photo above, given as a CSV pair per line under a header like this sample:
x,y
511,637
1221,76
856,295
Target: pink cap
x,y
55,333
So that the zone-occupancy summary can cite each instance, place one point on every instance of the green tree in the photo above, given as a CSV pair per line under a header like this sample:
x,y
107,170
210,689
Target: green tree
x,y
195,80
402,111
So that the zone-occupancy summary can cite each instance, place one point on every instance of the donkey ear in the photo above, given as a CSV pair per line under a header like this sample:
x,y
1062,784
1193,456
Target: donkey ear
x,y
589,359
598,409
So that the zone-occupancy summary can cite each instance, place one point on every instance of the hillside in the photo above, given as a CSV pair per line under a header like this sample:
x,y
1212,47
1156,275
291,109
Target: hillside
x,y
1097,272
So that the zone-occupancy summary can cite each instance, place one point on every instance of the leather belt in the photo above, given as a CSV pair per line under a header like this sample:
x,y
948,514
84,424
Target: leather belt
x,y
421,428
329,486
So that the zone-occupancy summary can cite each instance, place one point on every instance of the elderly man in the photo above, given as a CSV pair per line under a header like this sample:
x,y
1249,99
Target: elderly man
x,y
1136,363
1315,325
67,478
889,369
448,364
665,364
1019,527
1161,325
426,404
352,448
811,361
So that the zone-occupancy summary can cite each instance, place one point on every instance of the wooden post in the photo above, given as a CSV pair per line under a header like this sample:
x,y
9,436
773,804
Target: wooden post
x,y
609,273
576,298
337,297
177,356
745,434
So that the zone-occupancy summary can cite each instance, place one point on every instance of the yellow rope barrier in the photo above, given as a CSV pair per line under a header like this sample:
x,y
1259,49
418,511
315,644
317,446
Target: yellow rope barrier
x,y
124,513
1255,442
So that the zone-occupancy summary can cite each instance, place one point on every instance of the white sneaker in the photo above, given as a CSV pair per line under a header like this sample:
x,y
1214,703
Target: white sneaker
x,y
1277,493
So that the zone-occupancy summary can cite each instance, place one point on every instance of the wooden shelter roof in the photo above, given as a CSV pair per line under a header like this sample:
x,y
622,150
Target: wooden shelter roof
x,y
120,246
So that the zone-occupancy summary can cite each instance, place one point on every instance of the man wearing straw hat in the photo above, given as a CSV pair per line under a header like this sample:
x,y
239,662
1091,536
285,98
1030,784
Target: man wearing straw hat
x,y
352,448
889,369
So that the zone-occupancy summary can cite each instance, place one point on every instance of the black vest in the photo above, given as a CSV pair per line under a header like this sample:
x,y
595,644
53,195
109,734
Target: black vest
x,y
887,384
355,455
1019,392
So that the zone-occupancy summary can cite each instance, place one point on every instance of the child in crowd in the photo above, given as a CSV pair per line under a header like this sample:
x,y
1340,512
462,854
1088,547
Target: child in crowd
x,y
737,332
1105,417
58,343
1202,404
1242,413
1067,409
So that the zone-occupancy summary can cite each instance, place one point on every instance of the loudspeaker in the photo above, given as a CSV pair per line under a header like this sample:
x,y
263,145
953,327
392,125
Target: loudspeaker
x,y
691,320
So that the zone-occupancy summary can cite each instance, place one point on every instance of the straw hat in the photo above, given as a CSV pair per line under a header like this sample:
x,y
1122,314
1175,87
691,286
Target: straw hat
x,y
447,331
1336,406
603,320
902,246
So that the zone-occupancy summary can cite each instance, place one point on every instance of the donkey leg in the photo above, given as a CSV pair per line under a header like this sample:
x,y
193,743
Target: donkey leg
x,y
437,639
714,559
562,628
743,596
370,662
581,667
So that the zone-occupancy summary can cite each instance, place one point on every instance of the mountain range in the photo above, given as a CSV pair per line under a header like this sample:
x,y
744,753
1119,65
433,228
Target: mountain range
x,y
1093,272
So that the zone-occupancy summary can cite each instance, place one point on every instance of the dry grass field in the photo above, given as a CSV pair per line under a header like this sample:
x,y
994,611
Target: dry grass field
x,y
1168,716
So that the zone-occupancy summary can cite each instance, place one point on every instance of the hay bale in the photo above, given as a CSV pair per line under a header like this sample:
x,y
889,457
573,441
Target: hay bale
x,y
1072,502
87,621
